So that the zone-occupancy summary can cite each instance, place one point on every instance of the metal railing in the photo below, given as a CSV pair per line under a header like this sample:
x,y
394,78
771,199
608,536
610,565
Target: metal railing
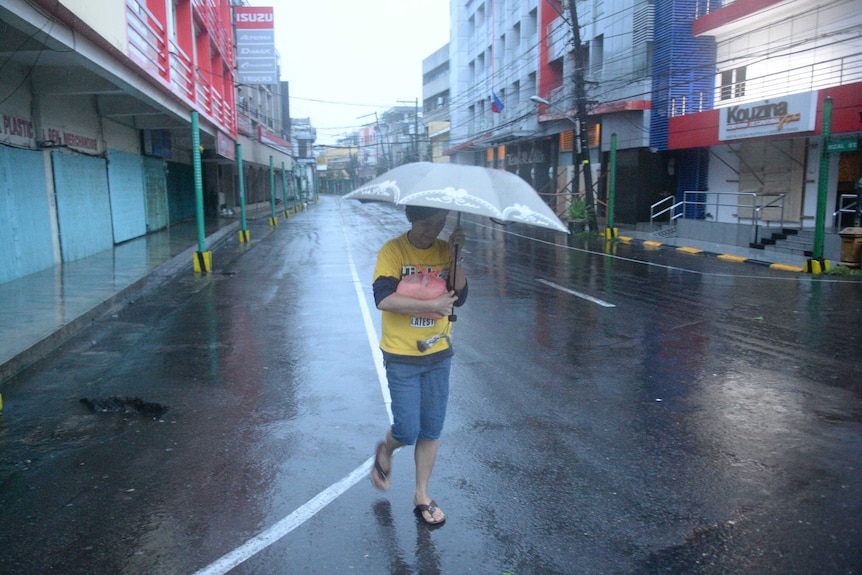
x,y
846,205
705,7
662,207
695,205
837,71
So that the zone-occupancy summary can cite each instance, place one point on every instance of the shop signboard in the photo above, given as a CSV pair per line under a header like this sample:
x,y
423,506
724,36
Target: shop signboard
x,y
256,60
773,117
226,146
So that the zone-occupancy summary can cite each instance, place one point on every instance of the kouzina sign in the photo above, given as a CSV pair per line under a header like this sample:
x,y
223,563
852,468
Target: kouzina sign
x,y
773,117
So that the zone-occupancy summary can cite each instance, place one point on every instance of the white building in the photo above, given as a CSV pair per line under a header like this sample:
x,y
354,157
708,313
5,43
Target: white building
x,y
776,63
513,50
681,103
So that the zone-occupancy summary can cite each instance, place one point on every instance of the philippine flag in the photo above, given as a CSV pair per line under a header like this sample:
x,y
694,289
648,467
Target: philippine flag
x,y
496,104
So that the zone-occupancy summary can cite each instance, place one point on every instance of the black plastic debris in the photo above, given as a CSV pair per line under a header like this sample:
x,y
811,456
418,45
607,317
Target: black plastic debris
x,y
126,406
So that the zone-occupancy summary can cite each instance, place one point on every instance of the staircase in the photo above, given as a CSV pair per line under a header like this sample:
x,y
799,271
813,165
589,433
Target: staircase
x,y
788,241
666,231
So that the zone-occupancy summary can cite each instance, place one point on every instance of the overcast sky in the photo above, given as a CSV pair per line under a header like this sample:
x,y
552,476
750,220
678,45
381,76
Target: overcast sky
x,y
347,58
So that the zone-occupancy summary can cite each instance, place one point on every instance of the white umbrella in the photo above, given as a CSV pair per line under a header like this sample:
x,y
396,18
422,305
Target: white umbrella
x,y
496,194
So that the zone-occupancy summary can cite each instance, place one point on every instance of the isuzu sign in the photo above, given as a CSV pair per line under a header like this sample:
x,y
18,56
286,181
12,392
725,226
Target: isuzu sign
x,y
253,17
773,117
256,61
246,17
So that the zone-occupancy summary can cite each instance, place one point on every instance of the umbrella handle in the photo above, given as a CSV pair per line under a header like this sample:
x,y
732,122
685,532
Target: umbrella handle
x,y
453,266
451,279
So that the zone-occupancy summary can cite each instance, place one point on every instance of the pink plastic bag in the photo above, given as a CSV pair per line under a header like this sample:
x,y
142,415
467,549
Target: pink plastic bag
x,y
423,285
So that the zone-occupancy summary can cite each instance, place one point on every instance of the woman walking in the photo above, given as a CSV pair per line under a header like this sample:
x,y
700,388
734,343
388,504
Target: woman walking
x,y
416,345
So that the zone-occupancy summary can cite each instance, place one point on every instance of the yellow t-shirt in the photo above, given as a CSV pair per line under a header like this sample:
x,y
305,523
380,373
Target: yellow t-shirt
x,y
402,332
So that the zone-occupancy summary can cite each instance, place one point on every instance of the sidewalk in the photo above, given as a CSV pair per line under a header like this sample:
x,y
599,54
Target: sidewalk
x,y
42,309
772,259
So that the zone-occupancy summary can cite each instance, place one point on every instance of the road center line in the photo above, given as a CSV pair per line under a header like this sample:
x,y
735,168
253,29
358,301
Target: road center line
x,y
314,505
576,293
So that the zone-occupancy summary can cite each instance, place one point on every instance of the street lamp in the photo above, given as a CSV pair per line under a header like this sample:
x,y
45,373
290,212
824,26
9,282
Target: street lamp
x,y
540,100
584,160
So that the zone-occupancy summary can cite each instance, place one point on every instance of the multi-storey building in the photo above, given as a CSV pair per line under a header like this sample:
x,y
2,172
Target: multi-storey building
x,y
749,134
493,51
435,104
505,52
96,101
717,118
394,138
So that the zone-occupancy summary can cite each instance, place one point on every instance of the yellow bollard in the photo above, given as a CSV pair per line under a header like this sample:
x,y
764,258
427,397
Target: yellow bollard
x,y
815,266
203,262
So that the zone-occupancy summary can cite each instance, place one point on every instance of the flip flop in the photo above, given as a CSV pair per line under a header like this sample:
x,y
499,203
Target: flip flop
x,y
421,509
379,476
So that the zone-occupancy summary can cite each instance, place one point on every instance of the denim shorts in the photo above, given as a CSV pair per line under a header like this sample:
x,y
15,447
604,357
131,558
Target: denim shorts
x,y
419,397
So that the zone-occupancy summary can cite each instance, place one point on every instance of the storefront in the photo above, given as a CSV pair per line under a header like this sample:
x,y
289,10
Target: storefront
x,y
764,157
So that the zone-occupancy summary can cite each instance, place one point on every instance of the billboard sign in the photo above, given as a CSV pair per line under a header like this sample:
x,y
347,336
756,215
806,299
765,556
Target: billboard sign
x,y
256,60
773,117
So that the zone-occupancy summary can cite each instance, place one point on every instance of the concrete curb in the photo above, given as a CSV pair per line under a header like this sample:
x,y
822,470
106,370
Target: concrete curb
x,y
724,257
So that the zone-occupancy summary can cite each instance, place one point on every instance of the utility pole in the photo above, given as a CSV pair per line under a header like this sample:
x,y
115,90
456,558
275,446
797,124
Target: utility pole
x,y
581,108
415,139
383,143
377,145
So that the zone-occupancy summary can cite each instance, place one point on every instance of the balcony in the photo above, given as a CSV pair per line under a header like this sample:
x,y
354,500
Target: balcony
x,y
806,78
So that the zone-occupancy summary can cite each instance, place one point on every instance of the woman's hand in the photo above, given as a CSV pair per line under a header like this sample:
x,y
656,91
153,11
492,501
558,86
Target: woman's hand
x,y
445,304
397,303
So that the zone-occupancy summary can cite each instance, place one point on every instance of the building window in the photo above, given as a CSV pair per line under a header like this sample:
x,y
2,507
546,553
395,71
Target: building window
x,y
597,56
733,83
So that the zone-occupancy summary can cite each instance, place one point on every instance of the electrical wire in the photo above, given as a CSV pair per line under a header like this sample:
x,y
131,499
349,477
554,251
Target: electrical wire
x,y
456,104
42,47
507,71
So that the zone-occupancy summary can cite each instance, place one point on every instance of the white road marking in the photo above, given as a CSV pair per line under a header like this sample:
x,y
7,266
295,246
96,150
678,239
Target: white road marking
x,y
602,303
269,536
266,538
373,340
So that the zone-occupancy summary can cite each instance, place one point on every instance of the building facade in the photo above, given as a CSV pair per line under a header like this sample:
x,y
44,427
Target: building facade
x,y
435,105
397,136
680,104
755,129
506,53
96,100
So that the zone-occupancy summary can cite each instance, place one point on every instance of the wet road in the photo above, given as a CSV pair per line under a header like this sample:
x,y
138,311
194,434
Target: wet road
x,y
614,411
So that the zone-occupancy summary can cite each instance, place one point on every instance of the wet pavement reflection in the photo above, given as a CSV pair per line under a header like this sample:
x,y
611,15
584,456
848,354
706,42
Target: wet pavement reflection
x,y
688,416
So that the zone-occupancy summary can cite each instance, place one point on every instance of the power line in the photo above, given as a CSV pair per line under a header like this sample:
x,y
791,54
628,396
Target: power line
x,y
469,97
